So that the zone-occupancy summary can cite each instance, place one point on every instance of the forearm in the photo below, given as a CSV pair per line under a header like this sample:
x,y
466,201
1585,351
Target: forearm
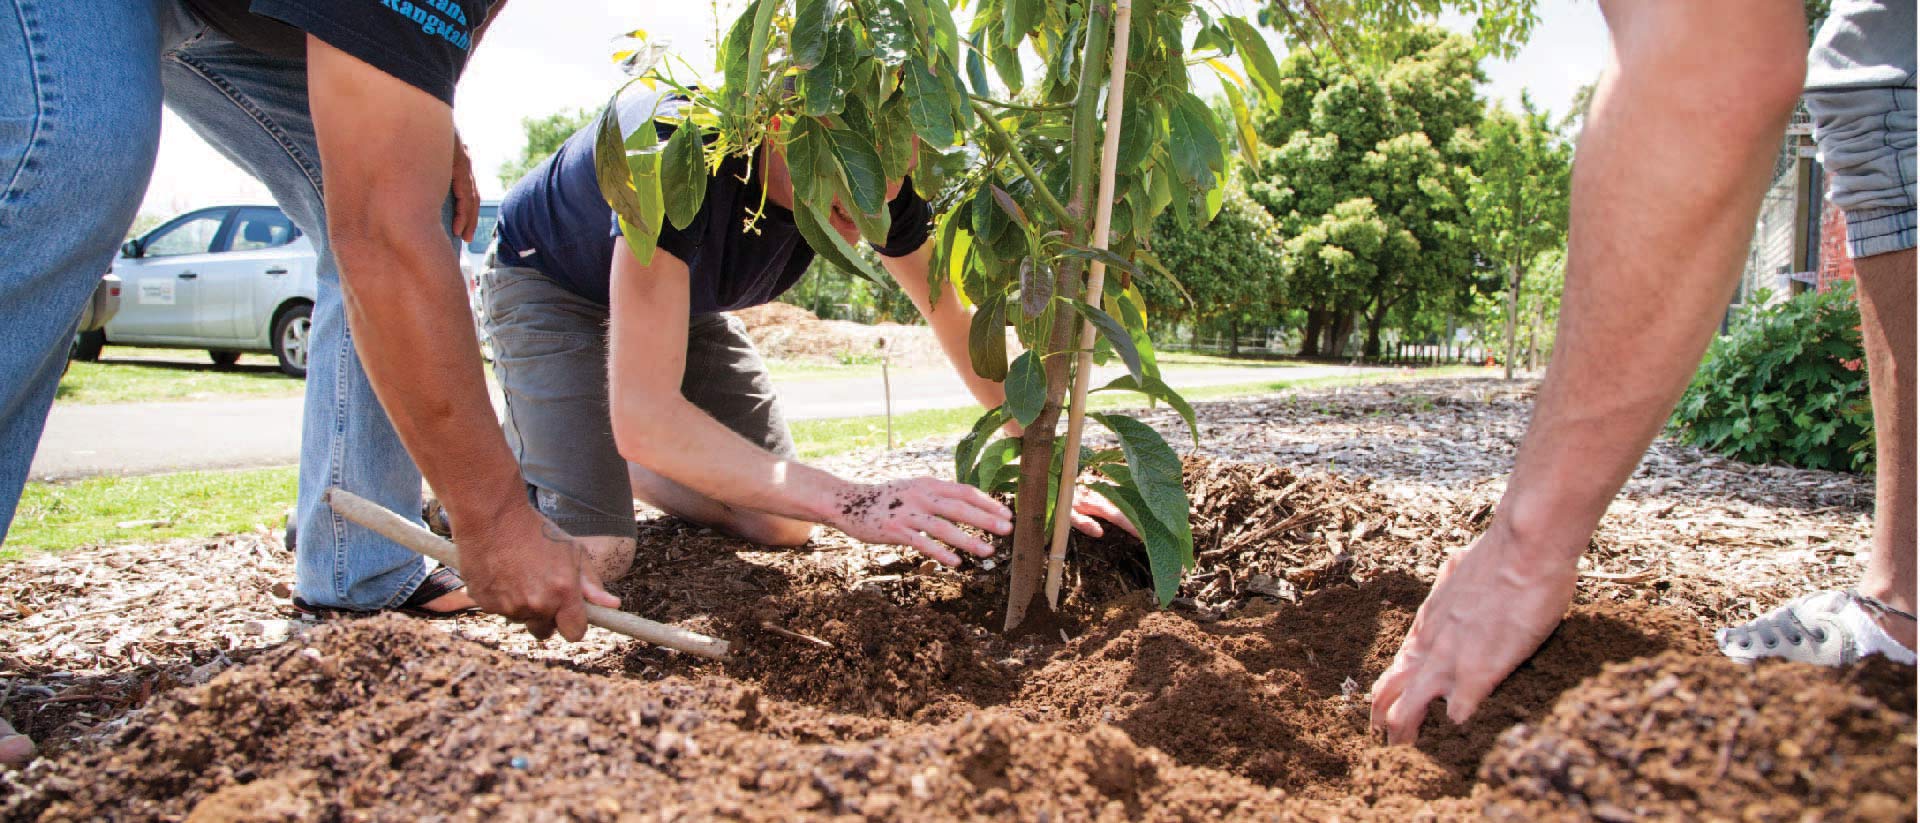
x,y
411,327
683,443
1646,287
950,321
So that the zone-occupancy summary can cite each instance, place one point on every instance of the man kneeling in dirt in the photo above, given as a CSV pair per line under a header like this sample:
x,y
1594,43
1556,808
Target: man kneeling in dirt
x,y
604,360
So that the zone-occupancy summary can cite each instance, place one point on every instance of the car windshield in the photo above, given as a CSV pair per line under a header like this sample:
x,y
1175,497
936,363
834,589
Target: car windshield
x,y
483,233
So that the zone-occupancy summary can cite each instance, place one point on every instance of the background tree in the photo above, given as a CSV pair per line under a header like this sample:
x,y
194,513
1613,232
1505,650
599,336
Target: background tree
x,y
1366,172
544,136
1374,31
1228,271
1519,200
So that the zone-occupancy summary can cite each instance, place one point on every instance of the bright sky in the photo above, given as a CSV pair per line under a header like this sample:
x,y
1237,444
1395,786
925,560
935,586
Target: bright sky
x,y
547,56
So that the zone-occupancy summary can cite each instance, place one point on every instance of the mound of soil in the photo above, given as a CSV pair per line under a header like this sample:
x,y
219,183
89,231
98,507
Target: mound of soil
x,y
869,688
781,331
1678,737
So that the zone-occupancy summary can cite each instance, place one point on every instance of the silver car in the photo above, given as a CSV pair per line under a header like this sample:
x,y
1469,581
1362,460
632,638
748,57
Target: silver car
x,y
228,279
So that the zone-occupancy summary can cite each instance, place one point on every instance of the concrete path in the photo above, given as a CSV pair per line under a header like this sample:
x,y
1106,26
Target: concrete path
x,y
151,438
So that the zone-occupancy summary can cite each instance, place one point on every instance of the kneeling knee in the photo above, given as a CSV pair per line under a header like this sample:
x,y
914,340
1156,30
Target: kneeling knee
x,y
774,531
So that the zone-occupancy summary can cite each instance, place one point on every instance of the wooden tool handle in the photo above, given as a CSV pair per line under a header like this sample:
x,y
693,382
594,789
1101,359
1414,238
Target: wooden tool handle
x,y
398,529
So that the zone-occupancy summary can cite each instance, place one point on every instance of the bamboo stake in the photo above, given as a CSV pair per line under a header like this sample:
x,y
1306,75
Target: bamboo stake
x,y
1096,284
398,529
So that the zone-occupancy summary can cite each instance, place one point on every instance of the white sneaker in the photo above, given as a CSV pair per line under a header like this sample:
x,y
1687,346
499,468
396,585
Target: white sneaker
x,y
1825,628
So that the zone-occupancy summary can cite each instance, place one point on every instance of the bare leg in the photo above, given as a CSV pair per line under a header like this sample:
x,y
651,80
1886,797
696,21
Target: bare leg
x,y
687,504
16,749
608,558
1886,291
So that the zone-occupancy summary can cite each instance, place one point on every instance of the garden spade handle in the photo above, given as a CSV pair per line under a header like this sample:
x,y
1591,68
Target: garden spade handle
x,y
396,528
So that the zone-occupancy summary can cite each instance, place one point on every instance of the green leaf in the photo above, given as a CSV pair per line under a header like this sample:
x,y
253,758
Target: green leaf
x,y
823,88
968,450
1026,388
1264,70
977,73
1163,547
1155,388
999,455
894,134
757,47
1243,132
1128,306
929,106
891,29
828,243
1105,256
1157,473
683,174
812,31
1115,334
1136,133
628,172
866,181
1196,148
987,339
739,48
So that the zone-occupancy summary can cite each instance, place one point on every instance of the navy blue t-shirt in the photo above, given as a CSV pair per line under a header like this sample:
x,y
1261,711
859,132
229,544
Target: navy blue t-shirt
x,y
556,222
423,42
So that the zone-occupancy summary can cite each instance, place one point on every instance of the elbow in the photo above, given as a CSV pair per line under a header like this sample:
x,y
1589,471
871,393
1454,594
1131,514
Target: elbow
x,y
381,243
637,432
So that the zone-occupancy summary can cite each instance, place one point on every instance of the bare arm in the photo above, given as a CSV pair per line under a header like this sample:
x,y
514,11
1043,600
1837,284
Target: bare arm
x,y
656,427
1668,178
386,148
951,322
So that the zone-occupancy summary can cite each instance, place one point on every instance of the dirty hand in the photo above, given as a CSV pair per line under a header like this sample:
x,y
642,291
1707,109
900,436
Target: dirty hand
x,y
525,568
1494,604
1089,504
923,513
466,193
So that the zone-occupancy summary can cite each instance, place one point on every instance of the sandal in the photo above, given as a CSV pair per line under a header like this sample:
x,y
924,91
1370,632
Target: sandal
x,y
442,581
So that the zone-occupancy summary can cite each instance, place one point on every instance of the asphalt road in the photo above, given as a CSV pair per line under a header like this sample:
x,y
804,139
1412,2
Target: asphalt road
x,y
153,438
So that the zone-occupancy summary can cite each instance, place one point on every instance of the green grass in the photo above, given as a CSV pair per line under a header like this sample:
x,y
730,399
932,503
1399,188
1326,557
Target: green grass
x,y
821,438
128,375
790,370
55,516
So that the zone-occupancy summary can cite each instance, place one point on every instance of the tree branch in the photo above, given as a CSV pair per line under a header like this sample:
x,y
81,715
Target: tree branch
x,y
1047,199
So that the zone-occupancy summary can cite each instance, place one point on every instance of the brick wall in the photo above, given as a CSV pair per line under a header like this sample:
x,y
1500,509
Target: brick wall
x,y
1834,262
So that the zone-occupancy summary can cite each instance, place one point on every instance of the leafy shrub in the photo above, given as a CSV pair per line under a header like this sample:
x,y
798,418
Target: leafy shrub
x,y
1786,385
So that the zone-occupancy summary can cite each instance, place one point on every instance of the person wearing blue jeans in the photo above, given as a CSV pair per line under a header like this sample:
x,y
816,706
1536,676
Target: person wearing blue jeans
x,y
279,86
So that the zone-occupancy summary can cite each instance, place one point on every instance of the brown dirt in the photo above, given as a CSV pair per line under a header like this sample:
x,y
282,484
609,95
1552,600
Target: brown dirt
x,y
1246,699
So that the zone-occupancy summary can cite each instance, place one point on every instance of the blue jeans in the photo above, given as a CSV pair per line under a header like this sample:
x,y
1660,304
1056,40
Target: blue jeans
x,y
81,86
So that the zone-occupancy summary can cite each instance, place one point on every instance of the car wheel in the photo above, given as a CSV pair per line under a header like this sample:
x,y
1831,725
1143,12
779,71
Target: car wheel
x,y
223,359
292,334
87,345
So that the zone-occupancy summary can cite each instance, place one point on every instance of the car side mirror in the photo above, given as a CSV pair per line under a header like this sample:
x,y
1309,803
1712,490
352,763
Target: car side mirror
x,y
131,248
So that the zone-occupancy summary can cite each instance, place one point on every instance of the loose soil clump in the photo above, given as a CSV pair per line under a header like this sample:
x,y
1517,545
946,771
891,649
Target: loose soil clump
x,y
868,686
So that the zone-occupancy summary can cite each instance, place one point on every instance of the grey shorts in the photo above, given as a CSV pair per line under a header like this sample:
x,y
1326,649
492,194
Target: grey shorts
x,y
550,356
1860,91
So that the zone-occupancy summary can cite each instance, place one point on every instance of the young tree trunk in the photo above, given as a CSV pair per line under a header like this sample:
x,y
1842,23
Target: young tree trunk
x,y
1028,566
1533,335
1310,338
1233,337
1513,309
